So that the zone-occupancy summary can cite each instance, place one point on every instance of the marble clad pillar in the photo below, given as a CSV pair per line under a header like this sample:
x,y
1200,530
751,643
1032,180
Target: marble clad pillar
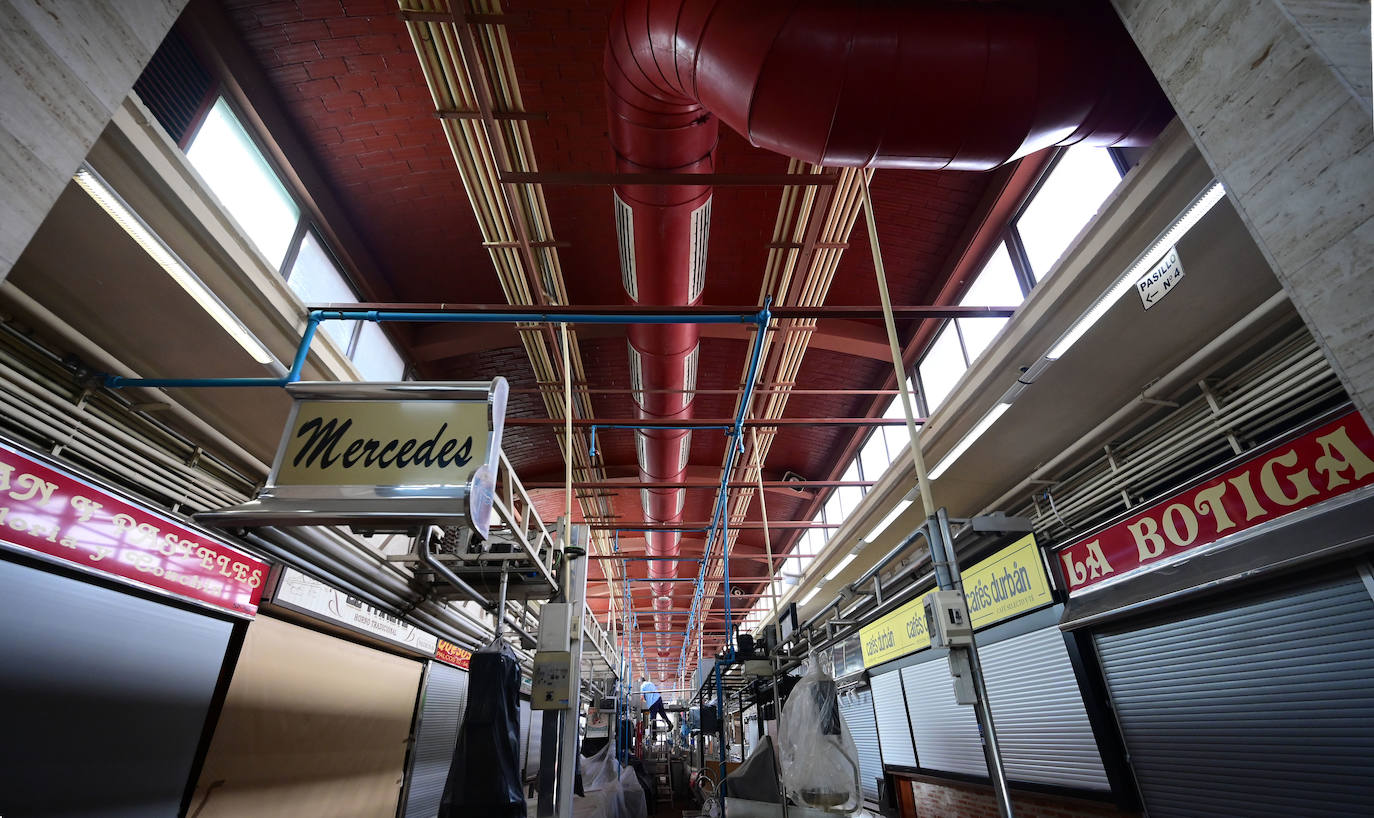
x,y
1276,93
65,65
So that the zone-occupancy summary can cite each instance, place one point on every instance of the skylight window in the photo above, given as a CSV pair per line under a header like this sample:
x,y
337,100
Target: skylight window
x,y
995,286
239,175
1080,182
316,280
942,366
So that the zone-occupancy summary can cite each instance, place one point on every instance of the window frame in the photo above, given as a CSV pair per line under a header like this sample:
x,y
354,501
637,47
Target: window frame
x,y
305,222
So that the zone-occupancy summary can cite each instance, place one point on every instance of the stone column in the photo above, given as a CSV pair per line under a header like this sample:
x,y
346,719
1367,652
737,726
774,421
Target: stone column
x,y
65,65
1276,93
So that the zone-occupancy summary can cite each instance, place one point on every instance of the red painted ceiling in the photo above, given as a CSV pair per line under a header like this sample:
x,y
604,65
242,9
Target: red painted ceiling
x,y
346,73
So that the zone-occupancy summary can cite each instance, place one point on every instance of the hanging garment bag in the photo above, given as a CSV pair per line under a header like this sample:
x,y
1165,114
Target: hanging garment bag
x,y
484,778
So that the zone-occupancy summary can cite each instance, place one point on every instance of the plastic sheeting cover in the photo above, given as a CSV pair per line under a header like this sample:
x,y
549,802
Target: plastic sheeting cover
x,y
820,766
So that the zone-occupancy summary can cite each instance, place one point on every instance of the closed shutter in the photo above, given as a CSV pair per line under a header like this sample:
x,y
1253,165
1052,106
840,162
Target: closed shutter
x,y
856,708
524,734
1262,709
103,697
1042,726
894,732
446,696
946,732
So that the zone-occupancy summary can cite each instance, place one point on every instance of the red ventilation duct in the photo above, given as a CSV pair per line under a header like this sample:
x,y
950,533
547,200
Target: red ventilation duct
x,y
932,85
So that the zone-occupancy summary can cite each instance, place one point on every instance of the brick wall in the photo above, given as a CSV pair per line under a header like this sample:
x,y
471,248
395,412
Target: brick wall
x,y
953,800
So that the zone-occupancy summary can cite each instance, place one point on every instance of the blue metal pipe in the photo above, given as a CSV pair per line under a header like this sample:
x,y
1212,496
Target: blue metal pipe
x,y
316,316
530,317
721,516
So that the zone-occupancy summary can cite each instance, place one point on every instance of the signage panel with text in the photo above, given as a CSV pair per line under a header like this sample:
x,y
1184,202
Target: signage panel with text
x,y
1329,461
1010,582
51,512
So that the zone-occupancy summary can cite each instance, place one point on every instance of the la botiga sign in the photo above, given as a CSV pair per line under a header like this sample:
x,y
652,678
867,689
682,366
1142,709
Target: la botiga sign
x,y
47,510
1331,460
383,457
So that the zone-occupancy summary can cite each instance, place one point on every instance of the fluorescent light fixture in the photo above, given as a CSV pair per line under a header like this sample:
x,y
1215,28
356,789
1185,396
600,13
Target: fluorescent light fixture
x,y
968,439
809,595
902,505
139,231
1199,207
839,566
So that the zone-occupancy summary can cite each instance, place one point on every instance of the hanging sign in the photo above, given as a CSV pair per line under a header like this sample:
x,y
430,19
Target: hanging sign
x,y
1008,583
49,511
383,443
450,654
1161,279
304,594
383,457
1326,462
895,635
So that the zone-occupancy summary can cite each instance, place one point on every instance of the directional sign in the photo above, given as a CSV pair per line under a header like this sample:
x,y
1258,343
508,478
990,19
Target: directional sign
x,y
1161,280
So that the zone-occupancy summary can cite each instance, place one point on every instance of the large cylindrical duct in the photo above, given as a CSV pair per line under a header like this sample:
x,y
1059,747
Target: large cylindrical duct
x,y
931,85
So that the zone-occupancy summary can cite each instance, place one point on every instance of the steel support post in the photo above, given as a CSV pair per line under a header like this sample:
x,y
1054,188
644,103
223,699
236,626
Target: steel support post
x,y
948,577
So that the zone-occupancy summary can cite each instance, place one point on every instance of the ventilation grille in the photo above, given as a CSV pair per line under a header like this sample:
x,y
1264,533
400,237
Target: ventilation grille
x,y
684,449
641,452
689,369
175,87
625,233
636,374
701,234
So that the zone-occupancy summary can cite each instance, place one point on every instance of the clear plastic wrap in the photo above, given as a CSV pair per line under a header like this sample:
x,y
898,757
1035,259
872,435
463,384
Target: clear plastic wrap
x,y
820,766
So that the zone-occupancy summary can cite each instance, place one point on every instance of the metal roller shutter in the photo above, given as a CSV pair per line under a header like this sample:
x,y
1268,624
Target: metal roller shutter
x,y
446,696
856,708
946,732
103,697
894,731
1260,709
524,734
1042,726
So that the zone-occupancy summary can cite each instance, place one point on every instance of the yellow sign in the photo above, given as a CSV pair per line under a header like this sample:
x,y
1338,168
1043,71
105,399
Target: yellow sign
x,y
384,443
1008,583
901,632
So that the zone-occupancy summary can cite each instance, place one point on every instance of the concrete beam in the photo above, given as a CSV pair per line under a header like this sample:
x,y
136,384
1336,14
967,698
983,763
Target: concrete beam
x,y
65,66
1290,135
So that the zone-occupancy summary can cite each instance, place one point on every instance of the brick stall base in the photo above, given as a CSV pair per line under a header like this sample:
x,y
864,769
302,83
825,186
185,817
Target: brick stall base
x,y
947,799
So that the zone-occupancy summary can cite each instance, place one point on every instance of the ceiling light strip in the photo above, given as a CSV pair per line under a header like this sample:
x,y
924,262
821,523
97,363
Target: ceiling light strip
x,y
115,206
1199,207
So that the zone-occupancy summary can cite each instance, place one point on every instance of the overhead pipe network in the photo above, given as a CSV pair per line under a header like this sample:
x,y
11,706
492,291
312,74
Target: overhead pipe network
x,y
802,79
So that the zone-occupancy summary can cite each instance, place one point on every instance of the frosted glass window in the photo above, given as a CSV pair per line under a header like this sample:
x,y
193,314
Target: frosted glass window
x,y
241,178
376,357
1081,181
897,437
850,496
834,513
315,280
873,457
942,366
995,286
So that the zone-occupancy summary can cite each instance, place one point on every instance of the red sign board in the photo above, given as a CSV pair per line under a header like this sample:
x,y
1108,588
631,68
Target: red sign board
x,y
65,517
1326,462
451,654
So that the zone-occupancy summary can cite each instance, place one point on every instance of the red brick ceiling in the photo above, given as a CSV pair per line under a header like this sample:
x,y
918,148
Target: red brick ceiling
x,y
347,75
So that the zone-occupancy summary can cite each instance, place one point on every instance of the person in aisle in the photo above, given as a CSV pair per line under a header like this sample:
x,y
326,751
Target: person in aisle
x,y
653,701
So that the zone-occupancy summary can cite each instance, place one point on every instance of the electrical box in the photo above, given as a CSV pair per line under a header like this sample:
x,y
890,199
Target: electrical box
x,y
962,673
947,619
551,687
555,626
